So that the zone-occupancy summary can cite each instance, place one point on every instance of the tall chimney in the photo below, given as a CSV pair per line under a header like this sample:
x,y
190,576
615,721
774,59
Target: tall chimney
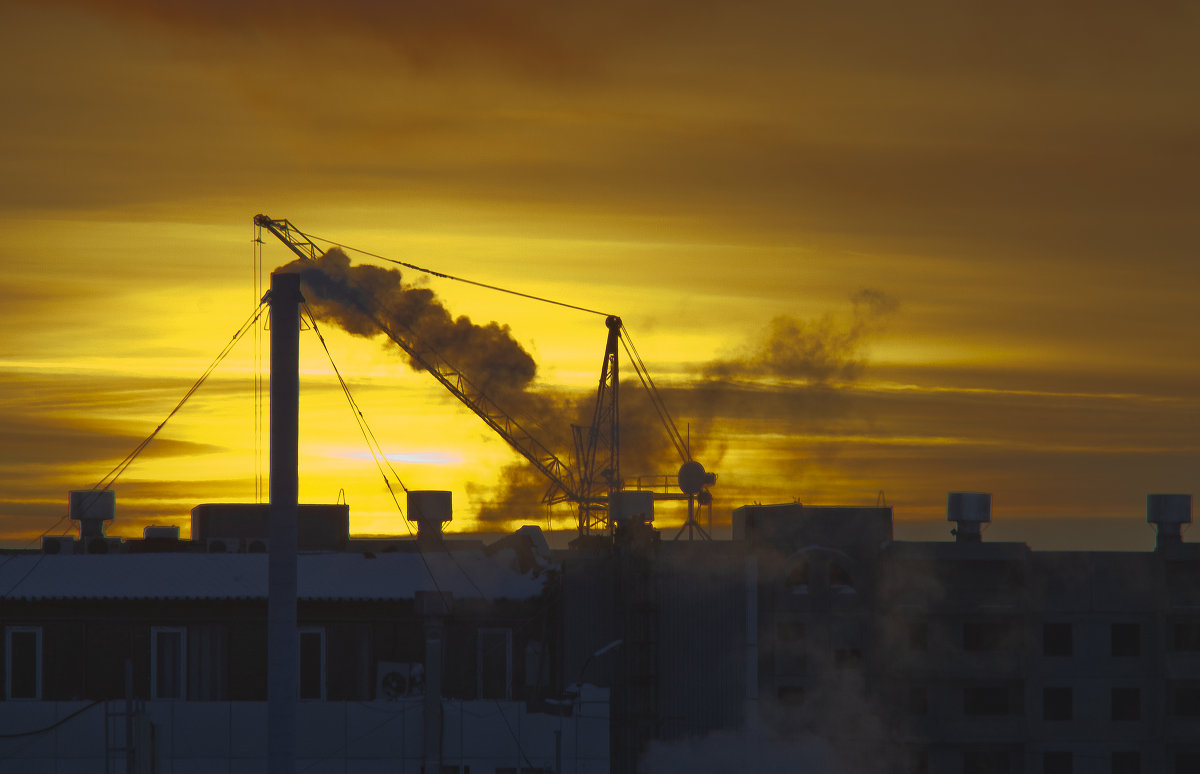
x,y
283,666
970,511
1168,513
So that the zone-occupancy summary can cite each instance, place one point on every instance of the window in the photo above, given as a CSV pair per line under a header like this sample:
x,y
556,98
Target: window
x,y
494,660
847,658
312,663
1058,762
1057,640
1057,703
797,579
1126,640
839,575
168,662
918,700
1126,704
986,636
985,762
1127,762
1187,636
791,631
918,635
1185,698
790,695
23,666
986,700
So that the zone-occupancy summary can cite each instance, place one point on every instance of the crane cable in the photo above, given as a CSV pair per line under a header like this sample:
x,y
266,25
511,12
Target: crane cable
x,y
106,483
655,398
443,275
368,434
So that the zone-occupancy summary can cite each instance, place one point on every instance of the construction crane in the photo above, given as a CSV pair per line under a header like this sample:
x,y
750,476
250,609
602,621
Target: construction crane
x,y
588,485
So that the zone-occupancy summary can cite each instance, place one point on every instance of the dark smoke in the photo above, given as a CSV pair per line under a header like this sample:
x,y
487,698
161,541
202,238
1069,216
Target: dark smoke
x,y
808,360
818,352
358,298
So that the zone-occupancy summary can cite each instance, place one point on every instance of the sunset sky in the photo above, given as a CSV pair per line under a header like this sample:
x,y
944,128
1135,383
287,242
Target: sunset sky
x,y
863,247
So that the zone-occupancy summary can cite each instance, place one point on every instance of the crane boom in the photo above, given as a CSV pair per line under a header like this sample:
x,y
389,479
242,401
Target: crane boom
x,y
565,486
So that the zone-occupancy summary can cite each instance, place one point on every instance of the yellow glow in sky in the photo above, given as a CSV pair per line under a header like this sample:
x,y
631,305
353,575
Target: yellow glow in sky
x,y
1019,183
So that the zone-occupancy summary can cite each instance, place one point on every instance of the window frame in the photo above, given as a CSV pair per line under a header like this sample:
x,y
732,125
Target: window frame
x,y
155,631
9,631
508,666
310,630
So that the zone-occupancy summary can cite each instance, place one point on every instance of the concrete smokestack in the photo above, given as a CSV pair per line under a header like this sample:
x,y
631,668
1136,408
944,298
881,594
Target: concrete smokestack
x,y
283,667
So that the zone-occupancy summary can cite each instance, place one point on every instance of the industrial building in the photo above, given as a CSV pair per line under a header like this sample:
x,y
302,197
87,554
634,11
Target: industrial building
x,y
813,636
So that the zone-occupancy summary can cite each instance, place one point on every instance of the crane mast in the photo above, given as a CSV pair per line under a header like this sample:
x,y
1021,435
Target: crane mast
x,y
565,484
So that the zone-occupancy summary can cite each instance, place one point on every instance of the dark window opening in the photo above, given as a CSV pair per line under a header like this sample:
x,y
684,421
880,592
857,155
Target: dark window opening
x,y
798,575
986,636
1058,762
312,664
791,631
847,658
1187,763
918,700
791,696
1127,762
1057,703
1187,636
918,635
494,658
1185,698
1126,640
1126,704
986,700
839,575
24,664
168,658
985,762
1057,640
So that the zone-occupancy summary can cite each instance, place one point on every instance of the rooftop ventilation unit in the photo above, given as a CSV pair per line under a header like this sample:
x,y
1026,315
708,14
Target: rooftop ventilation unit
x,y
58,544
223,545
1169,512
91,508
632,506
429,508
161,533
970,510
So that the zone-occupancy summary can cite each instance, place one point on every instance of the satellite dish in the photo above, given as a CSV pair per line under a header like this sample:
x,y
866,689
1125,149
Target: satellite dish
x,y
693,478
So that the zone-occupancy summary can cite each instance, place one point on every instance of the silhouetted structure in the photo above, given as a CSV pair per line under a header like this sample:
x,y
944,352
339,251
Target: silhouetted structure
x,y
812,636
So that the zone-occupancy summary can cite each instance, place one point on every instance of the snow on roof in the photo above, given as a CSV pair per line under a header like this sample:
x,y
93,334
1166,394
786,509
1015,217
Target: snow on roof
x,y
329,576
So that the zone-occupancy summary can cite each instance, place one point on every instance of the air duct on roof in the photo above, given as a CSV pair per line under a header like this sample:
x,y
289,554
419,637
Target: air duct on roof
x,y
91,508
1168,512
429,508
970,510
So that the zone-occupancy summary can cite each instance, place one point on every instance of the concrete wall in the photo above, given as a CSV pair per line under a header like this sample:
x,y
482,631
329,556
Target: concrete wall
x,y
333,737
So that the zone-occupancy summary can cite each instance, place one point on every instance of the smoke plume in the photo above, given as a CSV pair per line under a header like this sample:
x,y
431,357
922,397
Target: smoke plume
x,y
818,352
803,359
361,298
